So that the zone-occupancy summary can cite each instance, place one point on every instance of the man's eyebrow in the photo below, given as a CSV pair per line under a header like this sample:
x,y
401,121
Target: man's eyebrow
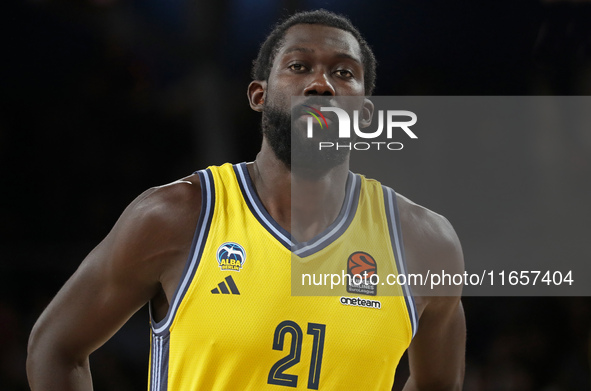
x,y
299,49
348,56
308,50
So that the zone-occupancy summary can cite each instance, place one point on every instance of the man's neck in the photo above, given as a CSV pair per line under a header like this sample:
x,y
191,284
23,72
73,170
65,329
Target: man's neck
x,y
302,205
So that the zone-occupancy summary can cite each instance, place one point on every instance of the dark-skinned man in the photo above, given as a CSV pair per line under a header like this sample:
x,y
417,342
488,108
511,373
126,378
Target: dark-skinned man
x,y
211,254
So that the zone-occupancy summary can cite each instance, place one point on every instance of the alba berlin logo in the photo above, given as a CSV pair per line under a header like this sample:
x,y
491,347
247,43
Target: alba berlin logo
x,y
395,119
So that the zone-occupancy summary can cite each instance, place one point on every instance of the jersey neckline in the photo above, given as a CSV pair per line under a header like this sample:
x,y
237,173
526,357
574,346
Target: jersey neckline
x,y
320,241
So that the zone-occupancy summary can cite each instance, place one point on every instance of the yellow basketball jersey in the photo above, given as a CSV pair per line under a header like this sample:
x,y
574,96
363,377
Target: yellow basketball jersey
x,y
243,317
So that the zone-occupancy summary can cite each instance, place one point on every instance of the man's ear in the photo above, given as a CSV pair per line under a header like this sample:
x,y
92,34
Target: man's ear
x,y
366,113
257,92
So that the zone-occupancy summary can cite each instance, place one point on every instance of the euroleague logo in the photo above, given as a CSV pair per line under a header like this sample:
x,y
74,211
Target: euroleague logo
x,y
231,256
361,267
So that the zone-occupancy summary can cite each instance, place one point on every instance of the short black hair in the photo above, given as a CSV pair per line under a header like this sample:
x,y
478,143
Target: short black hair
x,y
264,61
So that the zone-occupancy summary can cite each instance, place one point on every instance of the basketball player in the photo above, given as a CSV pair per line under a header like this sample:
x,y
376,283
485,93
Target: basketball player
x,y
211,254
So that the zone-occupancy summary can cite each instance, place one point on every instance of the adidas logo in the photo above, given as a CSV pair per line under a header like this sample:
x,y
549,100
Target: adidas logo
x,y
223,288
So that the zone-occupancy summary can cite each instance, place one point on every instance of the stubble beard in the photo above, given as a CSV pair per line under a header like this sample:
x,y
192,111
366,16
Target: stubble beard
x,y
300,154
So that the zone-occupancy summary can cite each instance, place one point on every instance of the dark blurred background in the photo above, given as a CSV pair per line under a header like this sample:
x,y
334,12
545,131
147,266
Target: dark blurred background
x,y
102,99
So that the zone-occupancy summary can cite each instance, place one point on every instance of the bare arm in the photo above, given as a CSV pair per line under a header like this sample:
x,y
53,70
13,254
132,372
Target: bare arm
x,y
116,279
437,352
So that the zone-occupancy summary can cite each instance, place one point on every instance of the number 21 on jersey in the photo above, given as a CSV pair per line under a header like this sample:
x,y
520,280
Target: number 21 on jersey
x,y
276,374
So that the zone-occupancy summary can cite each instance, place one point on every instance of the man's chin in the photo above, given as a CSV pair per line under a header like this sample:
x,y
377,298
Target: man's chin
x,y
288,140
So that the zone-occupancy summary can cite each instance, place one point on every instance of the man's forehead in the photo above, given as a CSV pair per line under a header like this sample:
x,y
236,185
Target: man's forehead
x,y
309,37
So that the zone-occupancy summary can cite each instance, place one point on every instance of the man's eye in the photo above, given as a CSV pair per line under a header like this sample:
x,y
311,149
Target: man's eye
x,y
344,73
296,67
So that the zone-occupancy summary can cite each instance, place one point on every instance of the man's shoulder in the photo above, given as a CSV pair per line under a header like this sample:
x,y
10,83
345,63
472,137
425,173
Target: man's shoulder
x,y
424,222
177,198
180,194
165,206
420,223
430,240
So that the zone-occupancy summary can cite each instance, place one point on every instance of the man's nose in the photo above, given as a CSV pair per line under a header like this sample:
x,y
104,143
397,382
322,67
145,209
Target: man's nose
x,y
320,85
